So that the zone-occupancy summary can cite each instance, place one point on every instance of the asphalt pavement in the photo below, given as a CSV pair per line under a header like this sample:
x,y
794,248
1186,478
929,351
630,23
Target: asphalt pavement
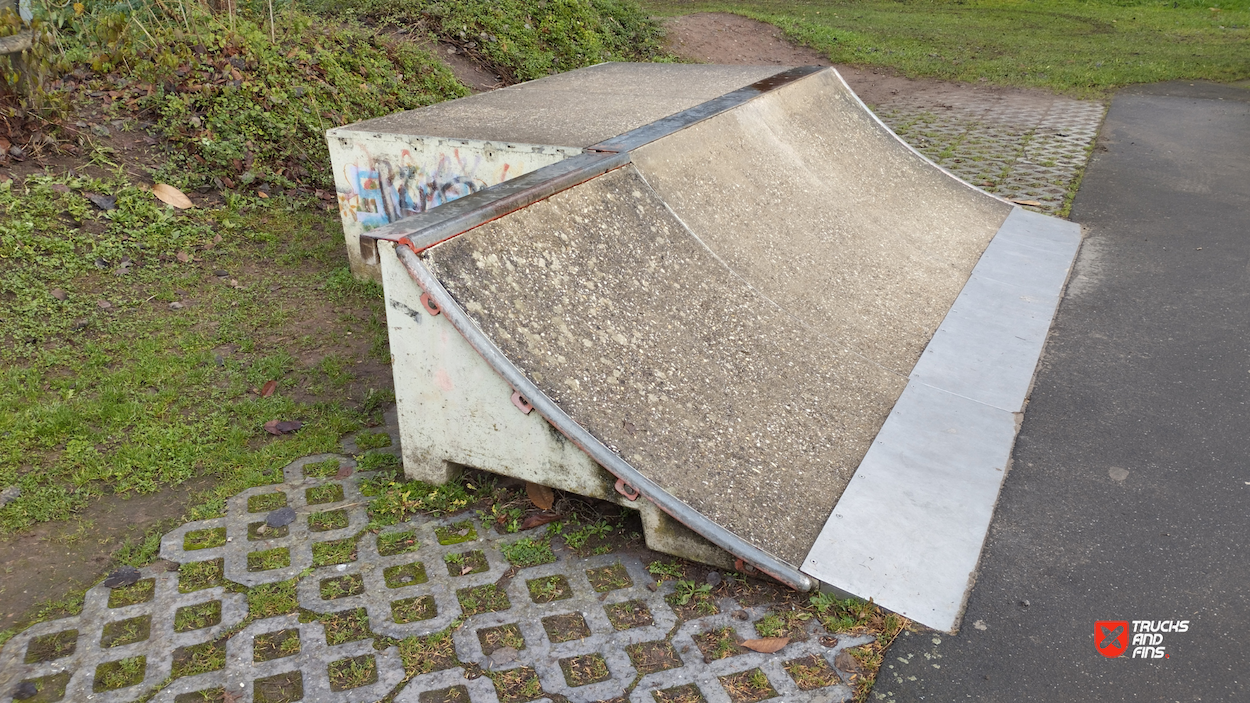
x,y
1128,498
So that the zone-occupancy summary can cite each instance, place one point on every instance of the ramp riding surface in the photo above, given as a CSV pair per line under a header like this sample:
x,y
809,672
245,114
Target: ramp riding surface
x,y
1128,493
750,311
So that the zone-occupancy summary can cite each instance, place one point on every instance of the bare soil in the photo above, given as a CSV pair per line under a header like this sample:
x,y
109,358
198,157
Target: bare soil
x,y
724,38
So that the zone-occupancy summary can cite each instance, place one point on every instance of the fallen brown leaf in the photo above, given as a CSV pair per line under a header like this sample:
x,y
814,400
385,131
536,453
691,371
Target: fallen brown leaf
x,y
58,294
268,389
1032,203
344,472
538,520
5,144
540,496
171,196
846,662
465,570
262,194
183,256
277,427
766,645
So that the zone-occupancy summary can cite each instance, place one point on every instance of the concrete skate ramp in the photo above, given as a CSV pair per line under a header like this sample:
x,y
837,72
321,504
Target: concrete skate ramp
x,y
726,312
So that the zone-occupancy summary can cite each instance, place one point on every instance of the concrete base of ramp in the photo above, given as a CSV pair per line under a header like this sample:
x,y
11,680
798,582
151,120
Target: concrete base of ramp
x,y
733,310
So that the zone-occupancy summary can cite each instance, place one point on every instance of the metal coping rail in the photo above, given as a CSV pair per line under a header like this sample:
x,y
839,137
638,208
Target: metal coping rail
x,y
611,461
424,230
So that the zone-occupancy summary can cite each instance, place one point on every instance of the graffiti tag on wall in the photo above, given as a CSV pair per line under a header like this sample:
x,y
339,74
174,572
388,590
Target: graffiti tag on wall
x,y
381,189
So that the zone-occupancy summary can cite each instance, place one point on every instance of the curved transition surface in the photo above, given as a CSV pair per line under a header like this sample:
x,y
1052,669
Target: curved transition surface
x,y
736,312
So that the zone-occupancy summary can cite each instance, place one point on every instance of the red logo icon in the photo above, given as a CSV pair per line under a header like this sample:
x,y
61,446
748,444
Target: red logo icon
x,y
1111,637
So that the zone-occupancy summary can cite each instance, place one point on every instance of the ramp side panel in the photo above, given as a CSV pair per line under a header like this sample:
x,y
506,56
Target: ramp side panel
x,y
610,306
909,529
820,208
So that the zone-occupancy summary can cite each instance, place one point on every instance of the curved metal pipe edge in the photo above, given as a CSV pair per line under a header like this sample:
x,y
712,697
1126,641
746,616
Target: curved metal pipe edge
x,y
606,458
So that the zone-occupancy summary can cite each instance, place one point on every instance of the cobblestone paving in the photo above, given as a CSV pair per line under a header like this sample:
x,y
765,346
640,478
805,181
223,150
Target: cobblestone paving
x,y
1025,147
585,629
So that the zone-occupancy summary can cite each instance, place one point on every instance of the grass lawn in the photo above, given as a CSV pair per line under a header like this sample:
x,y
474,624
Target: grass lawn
x,y
1082,48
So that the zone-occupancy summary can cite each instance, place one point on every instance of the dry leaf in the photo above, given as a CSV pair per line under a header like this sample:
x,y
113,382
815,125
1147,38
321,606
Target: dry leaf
x,y
344,472
540,496
171,196
1032,203
58,294
847,662
268,389
466,570
766,645
276,427
183,257
262,194
538,520
5,144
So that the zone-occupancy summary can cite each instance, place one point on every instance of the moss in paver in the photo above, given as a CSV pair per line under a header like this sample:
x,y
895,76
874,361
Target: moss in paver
x,y
259,530
650,657
208,695
482,599
138,592
372,440
280,688
393,543
351,673
269,559
275,645
123,632
719,643
549,588
609,578
585,669
433,652
456,534
329,493
528,552
198,575
811,672
197,617
54,646
689,693
204,539
342,586
748,686
402,575
466,563
265,502
413,609
270,599
199,658
346,626
629,614
566,628
517,685
120,674
455,694
337,551
493,638
322,469
329,520
49,688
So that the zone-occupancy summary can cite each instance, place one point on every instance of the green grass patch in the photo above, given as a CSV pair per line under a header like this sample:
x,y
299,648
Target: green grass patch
x,y
372,440
457,533
46,648
204,539
138,592
483,599
199,659
342,586
392,543
413,609
326,521
527,552
465,563
266,502
402,575
269,559
123,632
1069,45
322,469
197,617
338,551
549,588
522,40
346,626
120,674
396,500
329,493
198,575
434,652
270,599
352,673
275,645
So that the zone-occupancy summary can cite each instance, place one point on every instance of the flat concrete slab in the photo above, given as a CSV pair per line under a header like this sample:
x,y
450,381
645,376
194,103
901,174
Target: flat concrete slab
x,y
1128,489
574,109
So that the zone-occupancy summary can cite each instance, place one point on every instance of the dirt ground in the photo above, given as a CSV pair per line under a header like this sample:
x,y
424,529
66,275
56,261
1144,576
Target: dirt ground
x,y
720,37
